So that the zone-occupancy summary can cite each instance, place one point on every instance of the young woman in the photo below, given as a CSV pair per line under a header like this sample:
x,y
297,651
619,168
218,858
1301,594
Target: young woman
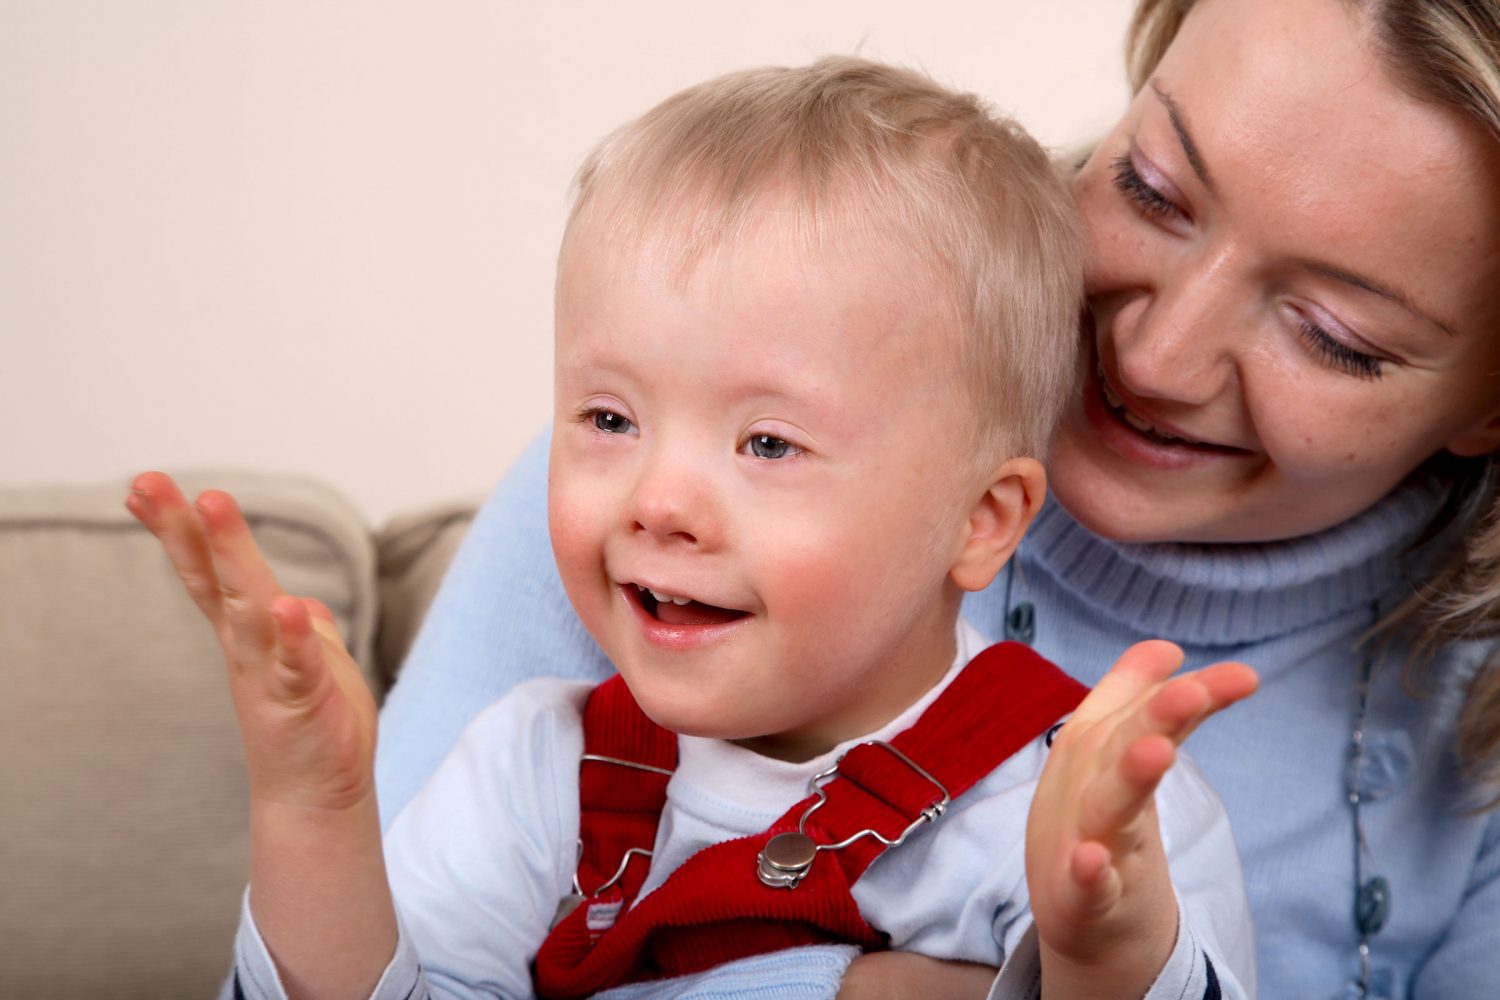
x,y
1282,448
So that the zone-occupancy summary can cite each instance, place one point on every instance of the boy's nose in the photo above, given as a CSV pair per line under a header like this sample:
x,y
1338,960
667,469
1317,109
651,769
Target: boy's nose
x,y
673,503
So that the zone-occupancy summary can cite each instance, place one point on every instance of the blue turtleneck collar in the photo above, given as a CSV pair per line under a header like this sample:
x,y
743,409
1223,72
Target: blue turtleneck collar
x,y
1222,594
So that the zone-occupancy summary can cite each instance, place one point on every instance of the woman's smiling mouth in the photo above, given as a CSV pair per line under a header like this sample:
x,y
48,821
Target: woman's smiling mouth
x,y
1110,412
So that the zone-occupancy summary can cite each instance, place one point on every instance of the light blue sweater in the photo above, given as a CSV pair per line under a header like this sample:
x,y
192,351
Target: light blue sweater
x,y
1280,761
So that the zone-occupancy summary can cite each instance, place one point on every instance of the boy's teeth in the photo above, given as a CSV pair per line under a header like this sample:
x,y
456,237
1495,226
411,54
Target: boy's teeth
x,y
668,598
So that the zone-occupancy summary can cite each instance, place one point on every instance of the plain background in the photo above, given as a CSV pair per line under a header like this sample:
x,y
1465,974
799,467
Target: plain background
x,y
318,236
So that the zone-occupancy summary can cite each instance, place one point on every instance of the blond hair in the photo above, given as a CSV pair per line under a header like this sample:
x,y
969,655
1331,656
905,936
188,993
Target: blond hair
x,y
848,138
1447,51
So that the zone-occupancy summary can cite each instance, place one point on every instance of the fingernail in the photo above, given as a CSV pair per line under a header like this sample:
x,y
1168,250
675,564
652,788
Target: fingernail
x,y
140,497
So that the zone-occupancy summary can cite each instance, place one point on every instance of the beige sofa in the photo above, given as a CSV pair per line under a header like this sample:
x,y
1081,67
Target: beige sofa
x,y
122,792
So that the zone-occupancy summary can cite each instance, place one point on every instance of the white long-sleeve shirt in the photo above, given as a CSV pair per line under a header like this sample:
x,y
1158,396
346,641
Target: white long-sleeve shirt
x,y
480,858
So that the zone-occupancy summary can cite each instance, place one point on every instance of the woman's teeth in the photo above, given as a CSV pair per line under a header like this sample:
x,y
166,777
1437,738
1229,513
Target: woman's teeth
x,y
664,598
1117,406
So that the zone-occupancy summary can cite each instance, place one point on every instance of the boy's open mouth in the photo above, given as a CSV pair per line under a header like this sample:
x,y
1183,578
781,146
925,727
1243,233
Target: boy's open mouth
x,y
674,610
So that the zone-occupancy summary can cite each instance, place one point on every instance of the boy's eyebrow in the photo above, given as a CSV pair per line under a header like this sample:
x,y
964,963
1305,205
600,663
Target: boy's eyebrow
x,y
1184,135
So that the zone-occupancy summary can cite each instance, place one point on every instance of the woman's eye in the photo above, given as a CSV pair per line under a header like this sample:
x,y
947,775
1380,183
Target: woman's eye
x,y
1135,187
769,446
1337,353
610,422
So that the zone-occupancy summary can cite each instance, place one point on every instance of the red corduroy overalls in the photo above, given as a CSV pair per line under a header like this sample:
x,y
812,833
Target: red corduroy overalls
x,y
716,907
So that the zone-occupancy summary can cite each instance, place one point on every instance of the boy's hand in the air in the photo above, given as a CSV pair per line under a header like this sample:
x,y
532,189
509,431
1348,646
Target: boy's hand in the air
x,y
306,716
318,886
1101,894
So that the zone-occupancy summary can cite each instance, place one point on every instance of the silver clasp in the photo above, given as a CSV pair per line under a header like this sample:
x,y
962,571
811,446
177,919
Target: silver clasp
x,y
570,902
787,857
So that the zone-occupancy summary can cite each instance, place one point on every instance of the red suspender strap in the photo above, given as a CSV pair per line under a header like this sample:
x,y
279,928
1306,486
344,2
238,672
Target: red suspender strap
x,y
622,787
714,908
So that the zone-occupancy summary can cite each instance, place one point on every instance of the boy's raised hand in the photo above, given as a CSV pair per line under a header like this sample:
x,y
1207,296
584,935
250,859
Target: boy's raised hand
x,y
1101,893
318,887
306,716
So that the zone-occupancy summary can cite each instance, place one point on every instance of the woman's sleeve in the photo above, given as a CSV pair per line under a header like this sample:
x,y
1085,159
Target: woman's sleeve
x,y
499,618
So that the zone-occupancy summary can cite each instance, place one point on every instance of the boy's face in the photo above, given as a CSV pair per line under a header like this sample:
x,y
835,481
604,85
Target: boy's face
x,y
774,443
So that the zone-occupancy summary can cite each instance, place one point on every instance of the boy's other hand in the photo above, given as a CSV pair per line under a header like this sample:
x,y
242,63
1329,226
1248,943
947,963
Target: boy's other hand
x,y
306,716
1101,893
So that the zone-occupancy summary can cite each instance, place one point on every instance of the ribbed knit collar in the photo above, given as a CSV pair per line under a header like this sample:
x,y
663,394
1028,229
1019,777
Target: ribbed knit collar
x,y
1217,595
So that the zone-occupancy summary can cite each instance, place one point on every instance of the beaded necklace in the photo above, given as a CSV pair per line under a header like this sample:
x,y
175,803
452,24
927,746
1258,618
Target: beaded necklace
x,y
1372,897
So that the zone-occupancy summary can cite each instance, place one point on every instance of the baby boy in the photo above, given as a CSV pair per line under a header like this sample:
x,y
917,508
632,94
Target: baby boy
x,y
814,328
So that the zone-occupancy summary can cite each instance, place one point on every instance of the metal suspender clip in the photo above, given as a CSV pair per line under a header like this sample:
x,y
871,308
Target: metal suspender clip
x,y
570,902
787,857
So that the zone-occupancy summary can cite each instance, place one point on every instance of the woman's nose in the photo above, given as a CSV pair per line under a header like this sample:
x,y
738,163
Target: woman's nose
x,y
1178,342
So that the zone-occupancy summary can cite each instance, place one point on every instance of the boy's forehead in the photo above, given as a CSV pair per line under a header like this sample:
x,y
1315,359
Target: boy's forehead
x,y
778,238
862,317
679,227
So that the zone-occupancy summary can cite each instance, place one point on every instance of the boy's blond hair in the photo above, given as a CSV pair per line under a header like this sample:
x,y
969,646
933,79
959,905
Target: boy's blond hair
x,y
845,136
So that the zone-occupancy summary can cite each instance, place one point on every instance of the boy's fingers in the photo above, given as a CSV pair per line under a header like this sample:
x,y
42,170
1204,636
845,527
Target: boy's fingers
x,y
158,504
1138,669
318,610
1185,702
246,583
1095,884
299,651
1142,746
1169,712
1119,795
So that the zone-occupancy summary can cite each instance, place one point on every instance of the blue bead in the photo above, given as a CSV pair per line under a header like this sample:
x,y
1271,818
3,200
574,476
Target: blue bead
x,y
1020,624
1379,988
1387,765
1373,906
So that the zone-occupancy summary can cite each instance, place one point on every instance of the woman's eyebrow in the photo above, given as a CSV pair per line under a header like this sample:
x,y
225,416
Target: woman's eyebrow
x,y
1384,291
1184,136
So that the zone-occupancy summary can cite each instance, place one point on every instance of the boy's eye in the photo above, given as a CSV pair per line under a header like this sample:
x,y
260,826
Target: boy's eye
x,y
611,422
769,446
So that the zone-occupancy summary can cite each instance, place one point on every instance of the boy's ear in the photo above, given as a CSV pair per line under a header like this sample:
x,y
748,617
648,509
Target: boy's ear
x,y
997,522
1479,439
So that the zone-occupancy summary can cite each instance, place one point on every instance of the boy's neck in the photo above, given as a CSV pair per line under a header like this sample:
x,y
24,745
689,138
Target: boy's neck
x,y
937,659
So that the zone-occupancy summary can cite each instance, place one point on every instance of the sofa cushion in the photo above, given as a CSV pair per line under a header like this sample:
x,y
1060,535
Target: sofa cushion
x,y
125,844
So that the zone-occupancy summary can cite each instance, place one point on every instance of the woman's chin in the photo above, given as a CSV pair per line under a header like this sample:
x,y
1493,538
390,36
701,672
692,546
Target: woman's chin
x,y
1111,513
1126,502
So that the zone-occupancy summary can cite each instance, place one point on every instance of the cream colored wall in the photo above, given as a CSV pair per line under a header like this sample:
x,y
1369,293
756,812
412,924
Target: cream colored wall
x,y
318,236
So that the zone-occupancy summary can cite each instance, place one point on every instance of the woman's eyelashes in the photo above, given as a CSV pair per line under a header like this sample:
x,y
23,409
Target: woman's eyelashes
x,y
1338,354
1147,198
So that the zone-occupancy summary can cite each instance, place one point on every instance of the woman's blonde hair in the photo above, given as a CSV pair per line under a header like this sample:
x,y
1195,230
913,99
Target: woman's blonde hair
x,y
849,142
1449,52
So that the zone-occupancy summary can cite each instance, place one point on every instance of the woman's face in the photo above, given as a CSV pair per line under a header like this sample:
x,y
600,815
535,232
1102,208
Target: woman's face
x,y
1295,282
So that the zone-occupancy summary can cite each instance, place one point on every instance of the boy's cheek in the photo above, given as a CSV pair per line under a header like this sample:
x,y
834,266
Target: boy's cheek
x,y
576,526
